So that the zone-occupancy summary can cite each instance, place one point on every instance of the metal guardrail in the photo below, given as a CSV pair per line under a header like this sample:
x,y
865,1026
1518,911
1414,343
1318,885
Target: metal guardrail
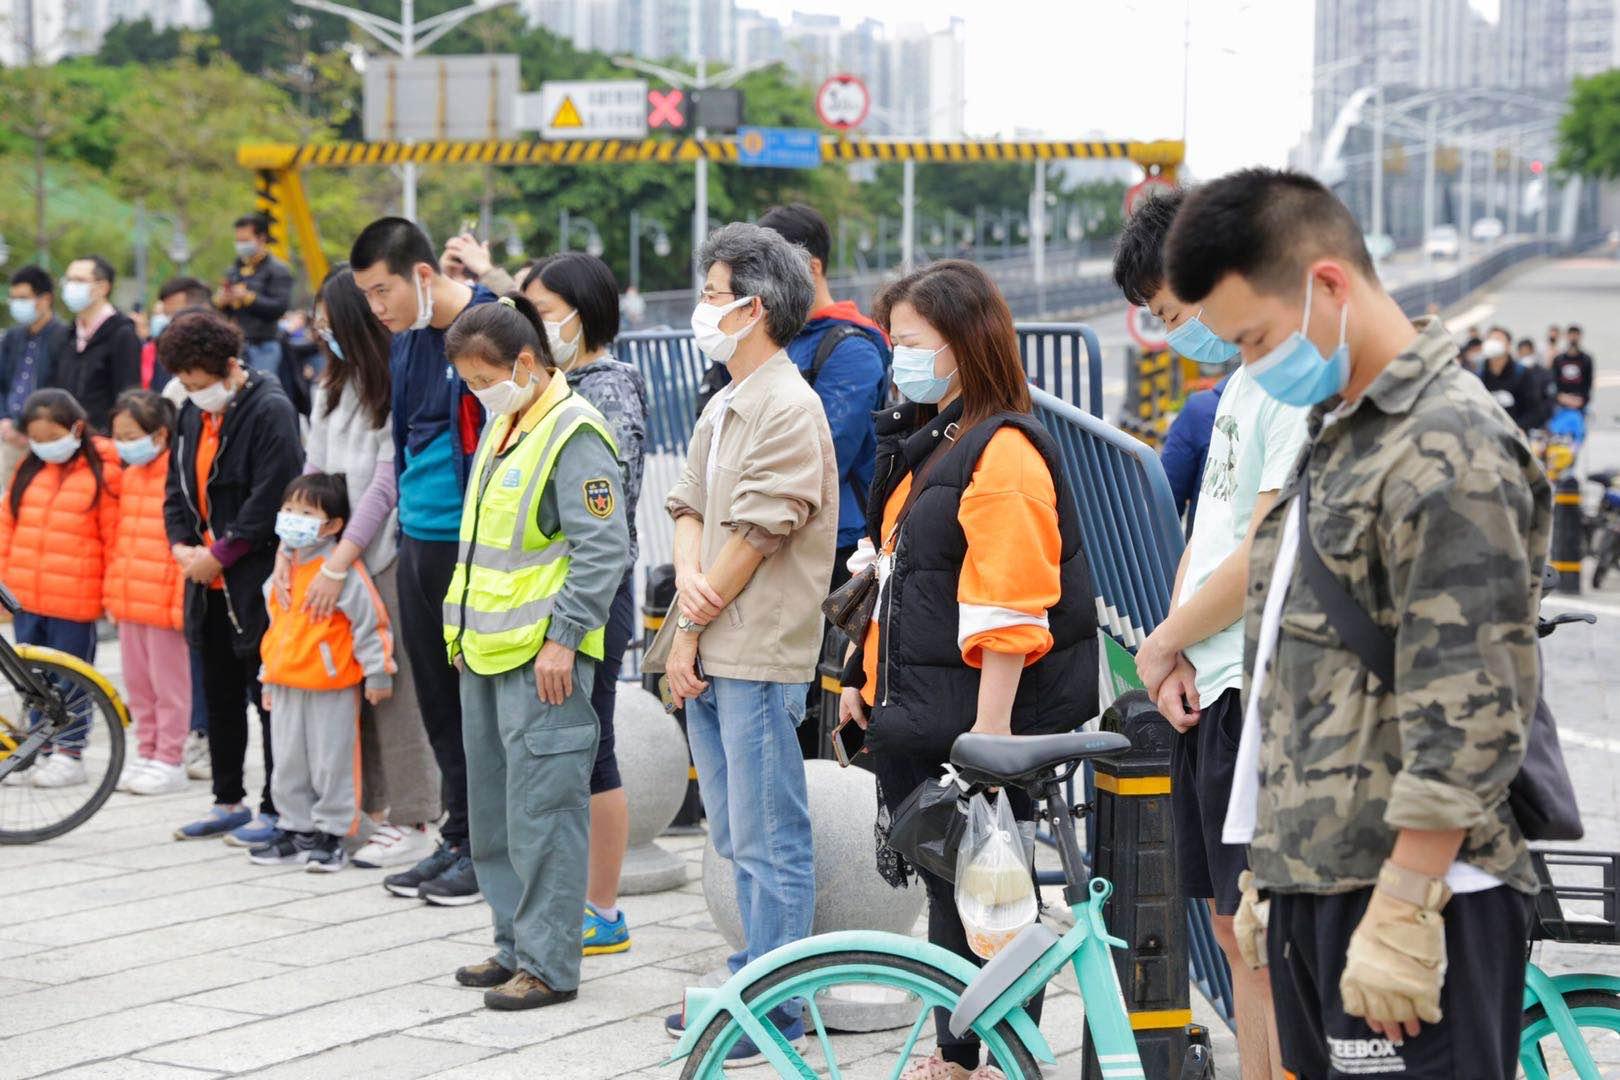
x,y
1415,298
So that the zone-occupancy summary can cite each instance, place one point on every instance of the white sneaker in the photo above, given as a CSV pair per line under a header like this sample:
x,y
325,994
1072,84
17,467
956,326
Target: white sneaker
x,y
198,765
58,771
391,845
159,779
133,767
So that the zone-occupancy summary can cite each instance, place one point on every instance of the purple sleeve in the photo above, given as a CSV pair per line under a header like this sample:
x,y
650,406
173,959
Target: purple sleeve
x,y
376,503
228,549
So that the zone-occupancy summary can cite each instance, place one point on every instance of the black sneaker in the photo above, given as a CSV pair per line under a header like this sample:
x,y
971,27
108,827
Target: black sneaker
x,y
455,887
326,854
283,849
408,882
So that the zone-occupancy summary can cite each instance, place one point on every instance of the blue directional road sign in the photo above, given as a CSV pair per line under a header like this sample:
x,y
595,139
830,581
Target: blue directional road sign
x,y
779,148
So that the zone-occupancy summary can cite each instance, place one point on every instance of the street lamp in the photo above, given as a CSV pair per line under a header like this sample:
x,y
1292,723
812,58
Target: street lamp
x,y
568,225
178,248
660,244
405,36
5,251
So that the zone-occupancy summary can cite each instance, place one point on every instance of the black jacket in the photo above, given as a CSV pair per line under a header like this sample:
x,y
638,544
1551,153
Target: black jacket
x,y
271,284
109,365
58,342
259,455
1519,392
926,695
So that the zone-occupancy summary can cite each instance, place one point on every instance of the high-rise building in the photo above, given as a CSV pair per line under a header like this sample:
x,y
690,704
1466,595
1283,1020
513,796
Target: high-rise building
x,y
48,30
1593,36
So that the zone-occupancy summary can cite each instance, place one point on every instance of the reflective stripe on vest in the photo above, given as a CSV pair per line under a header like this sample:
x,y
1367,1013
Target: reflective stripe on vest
x,y
508,573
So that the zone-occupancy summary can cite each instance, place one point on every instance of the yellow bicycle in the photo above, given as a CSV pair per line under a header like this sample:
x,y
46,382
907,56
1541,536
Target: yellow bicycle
x,y
54,703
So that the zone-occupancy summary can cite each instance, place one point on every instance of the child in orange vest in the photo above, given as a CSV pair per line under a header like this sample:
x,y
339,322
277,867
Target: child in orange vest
x,y
313,674
144,591
56,526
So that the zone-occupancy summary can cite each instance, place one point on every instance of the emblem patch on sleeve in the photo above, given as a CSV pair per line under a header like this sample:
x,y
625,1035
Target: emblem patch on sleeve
x,y
599,497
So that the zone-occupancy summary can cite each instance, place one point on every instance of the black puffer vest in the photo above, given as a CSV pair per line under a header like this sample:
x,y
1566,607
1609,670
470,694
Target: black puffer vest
x,y
926,695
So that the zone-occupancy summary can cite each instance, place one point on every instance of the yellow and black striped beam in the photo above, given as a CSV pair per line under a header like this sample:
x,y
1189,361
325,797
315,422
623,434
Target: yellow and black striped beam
x,y
1166,154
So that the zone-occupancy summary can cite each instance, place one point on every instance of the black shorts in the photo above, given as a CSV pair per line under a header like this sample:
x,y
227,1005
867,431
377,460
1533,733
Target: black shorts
x,y
605,690
1482,998
1201,765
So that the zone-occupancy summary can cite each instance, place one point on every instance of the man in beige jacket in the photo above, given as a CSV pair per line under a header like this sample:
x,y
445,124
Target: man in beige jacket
x,y
756,524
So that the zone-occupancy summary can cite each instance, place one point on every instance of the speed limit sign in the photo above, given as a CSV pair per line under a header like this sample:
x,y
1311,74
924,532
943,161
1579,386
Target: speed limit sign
x,y
1146,328
843,102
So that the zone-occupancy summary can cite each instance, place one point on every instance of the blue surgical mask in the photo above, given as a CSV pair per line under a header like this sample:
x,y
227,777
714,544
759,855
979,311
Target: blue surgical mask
x,y
298,530
56,451
914,374
159,323
1199,344
137,451
23,312
1295,372
331,343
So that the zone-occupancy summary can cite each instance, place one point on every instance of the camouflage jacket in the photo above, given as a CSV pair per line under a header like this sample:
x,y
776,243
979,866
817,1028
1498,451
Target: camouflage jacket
x,y
619,393
1429,507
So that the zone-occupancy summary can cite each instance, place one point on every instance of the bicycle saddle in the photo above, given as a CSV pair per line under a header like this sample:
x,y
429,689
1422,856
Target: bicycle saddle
x,y
1605,477
1017,759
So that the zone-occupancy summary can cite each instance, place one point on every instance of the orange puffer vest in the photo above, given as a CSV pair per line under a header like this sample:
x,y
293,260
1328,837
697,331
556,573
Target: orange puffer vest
x,y
144,583
53,551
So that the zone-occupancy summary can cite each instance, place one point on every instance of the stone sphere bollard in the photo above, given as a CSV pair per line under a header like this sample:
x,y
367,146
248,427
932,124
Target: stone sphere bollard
x,y
850,894
651,751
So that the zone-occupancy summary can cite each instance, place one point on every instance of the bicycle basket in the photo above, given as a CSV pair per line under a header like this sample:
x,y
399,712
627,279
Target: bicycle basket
x,y
1579,900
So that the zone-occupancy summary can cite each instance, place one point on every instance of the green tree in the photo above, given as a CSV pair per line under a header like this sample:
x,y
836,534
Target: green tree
x,y
38,109
138,42
1589,133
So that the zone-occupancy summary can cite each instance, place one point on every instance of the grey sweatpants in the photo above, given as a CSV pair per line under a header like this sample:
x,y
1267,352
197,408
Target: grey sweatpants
x,y
317,758
528,802
398,773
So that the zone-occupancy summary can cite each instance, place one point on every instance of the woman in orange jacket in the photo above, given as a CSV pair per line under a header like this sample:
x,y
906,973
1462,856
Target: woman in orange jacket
x,y
144,590
56,525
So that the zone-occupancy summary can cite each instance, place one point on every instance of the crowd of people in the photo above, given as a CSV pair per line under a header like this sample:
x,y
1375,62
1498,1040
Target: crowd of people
x,y
422,586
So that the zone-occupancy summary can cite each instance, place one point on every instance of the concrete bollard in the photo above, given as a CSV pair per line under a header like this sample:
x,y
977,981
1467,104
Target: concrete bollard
x,y
659,597
850,895
651,751
1569,535
1134,851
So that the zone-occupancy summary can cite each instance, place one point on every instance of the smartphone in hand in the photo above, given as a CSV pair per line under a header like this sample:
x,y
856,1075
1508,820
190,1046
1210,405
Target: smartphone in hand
x,y
848,741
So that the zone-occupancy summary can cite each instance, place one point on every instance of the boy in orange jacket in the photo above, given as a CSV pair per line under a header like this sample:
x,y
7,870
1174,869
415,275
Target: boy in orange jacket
x,y
313,674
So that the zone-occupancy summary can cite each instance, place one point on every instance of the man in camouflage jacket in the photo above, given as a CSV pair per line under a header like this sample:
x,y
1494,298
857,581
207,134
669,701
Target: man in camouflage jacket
x,y
1377,818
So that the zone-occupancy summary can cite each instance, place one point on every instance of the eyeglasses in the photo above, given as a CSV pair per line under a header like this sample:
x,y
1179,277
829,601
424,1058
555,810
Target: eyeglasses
x,y
709,294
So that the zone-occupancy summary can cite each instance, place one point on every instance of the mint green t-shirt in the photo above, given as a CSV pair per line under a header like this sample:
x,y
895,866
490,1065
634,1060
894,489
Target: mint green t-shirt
x,y
1253,448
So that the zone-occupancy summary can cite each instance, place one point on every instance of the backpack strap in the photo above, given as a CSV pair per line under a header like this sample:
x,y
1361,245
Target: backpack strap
x,y
1360,634
824,348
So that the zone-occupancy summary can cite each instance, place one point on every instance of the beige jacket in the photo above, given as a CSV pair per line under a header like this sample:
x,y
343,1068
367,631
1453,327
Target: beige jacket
x,y
775,475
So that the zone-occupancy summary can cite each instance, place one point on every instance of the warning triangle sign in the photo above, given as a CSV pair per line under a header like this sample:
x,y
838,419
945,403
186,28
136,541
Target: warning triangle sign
x,y
567,115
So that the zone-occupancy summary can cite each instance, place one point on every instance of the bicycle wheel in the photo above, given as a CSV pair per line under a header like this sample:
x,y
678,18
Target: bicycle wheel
x,y
1596,1013
814,976
1607,557
28,813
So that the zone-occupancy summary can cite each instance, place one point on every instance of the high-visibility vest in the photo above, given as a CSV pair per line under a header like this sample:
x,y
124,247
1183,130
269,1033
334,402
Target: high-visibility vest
x,y
508,572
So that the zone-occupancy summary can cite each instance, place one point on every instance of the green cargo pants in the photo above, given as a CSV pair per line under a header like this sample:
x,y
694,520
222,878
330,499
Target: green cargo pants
x,y
528,803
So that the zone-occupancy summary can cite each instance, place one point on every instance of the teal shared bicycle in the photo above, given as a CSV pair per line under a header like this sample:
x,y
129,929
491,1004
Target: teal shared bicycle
x,y
1573,1018
989,1000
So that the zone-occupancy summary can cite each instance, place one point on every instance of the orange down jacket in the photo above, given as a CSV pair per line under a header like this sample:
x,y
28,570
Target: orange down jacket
x,y
53,552
144,583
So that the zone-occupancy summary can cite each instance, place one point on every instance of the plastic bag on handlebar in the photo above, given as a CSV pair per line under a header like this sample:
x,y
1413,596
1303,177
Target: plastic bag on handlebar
x,y
995,892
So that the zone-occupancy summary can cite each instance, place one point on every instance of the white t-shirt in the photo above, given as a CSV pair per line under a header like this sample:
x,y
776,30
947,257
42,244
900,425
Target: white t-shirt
x,y
1244,805
1253,447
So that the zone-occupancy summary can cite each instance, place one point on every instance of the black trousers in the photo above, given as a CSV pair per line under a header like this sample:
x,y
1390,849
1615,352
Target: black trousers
x,y
621,625
899,777
811,736
1482,998
230,682
425,567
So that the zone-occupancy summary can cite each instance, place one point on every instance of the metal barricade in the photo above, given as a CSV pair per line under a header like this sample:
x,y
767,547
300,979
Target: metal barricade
x,y
1065,360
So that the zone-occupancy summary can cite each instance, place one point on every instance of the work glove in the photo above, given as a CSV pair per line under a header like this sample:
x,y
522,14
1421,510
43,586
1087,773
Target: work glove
x,y
1396,962
1249,924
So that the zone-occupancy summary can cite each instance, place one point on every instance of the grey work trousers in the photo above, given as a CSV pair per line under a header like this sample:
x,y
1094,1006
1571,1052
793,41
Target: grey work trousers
x,y
398,773
528,806
315,734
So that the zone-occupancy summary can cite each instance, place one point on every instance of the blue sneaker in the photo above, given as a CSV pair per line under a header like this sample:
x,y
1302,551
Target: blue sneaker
x,y
601,936
220,820
745,1053
252,833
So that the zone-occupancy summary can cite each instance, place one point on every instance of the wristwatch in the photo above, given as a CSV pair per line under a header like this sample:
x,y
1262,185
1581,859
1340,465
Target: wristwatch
x,y
687,626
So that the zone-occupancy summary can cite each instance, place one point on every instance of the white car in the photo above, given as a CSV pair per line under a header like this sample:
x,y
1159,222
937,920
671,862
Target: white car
x,y
1487,229
1379,245
1442,242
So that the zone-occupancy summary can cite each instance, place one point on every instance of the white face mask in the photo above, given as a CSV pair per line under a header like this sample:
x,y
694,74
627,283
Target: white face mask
x,y
211,399
563,352
76,295
57,450
424,304
505,396
712,341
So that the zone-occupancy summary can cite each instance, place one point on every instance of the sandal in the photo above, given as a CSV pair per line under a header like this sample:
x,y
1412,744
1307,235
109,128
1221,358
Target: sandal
x,y
934,1068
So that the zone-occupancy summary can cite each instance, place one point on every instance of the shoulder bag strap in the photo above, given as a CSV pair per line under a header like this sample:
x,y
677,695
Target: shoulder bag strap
x,y
1349,620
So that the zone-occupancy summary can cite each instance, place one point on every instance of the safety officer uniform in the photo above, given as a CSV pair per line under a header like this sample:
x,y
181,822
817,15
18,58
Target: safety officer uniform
x,y
543,546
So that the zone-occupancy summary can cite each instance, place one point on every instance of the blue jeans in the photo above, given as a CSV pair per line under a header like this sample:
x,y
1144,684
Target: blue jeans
x,y
75,639
264,356
199,696
751,775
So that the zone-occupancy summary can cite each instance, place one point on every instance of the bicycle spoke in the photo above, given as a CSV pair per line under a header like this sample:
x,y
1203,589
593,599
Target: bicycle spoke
x,y
916,1031
826,1043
